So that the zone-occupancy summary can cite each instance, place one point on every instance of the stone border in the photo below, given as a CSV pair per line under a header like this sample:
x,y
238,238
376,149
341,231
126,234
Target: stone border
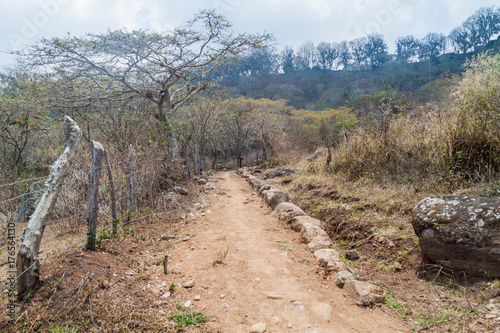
x,y
318,242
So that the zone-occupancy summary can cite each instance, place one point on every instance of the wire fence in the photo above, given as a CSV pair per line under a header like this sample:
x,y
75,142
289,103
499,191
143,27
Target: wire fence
x,y
71,207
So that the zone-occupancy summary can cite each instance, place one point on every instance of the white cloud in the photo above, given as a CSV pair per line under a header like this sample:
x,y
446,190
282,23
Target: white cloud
x,y
292,21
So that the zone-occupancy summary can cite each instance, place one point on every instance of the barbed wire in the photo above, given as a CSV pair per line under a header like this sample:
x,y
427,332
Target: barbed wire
x,y
23,181
61,251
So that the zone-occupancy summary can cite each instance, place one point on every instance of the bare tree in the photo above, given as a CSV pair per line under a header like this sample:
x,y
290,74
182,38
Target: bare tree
x,y
166,69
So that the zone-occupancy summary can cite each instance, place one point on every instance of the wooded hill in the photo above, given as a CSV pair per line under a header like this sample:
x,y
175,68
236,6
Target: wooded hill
x,y
332,74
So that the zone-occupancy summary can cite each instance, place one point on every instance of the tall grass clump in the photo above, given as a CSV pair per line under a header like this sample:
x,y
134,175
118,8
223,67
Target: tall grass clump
x,y
474,144
407,146
456,142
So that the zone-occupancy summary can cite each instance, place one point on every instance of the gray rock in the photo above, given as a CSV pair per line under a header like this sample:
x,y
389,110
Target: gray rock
x,y
342,277
202,181
274,197
262,188
319,242
280,172
197,298
286,211
335,266
180,190
258,328
246,174
188,304
460,232
352,255
326,255
310,231
298,222
364,293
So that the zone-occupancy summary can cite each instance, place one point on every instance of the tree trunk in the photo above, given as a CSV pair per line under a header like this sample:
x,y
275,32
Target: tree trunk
x,y
27,262
95,173
164,107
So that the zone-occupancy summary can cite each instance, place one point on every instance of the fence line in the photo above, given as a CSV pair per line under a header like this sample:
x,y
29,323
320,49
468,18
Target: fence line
x,y
61,251
74,191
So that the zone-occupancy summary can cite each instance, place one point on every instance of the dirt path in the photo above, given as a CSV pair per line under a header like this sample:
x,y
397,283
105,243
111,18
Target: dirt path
x,y
268,275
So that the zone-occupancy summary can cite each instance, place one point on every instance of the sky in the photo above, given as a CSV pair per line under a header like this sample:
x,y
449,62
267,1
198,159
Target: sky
x,y
292,22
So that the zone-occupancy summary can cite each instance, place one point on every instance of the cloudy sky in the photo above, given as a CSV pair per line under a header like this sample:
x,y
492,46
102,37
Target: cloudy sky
x,y
23,22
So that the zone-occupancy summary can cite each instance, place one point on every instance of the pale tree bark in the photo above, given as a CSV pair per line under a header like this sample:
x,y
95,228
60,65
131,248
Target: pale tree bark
x,y
28,265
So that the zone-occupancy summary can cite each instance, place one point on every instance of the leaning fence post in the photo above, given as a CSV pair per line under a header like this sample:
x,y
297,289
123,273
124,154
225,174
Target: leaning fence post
x,y
28,266
95,174
130,187
113,195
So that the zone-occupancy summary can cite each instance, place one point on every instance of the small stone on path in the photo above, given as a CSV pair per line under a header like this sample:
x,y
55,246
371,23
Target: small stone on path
x,y
197,298
188,304
188,284
258,328
185,239
274,296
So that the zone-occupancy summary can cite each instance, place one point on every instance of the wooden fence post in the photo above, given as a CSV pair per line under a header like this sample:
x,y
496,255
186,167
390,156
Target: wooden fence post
x,y
130,187
150,182
113,195
95,173
28,266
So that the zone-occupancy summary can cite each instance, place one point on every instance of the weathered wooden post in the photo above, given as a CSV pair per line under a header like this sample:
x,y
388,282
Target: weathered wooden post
x,y
28,266
95,173
130,187
150,182
113,195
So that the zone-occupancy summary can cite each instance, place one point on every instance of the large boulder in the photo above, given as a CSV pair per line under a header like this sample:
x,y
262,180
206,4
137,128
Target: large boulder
x,y
286,211
274,197
299,221
460,232
310,231
280,172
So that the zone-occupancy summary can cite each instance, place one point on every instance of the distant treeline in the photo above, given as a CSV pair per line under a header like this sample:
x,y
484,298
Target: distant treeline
x,y
365,54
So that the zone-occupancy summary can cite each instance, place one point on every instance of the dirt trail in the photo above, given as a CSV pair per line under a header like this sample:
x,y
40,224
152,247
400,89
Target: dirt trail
x,y
268,275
